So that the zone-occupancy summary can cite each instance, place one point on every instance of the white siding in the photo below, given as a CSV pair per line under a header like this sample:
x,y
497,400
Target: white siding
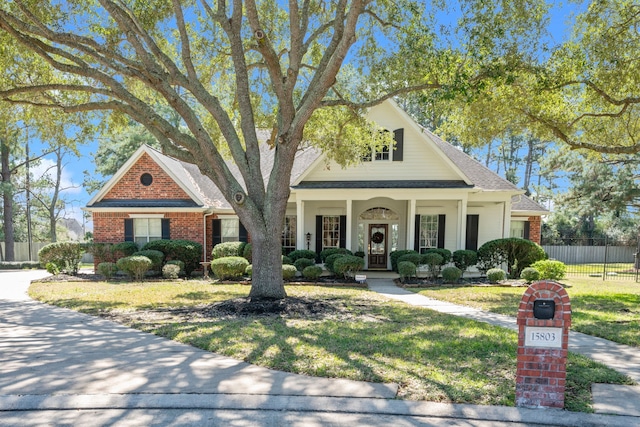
x,y
421,160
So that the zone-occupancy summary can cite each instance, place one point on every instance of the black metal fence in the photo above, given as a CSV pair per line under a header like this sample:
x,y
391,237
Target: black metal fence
x,y
604,258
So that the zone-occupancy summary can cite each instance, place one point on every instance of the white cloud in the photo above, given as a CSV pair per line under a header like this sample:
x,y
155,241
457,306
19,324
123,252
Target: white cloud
x,y
46,167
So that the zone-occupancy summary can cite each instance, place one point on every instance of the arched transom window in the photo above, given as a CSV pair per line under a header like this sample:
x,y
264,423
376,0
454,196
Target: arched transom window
x,y
379,214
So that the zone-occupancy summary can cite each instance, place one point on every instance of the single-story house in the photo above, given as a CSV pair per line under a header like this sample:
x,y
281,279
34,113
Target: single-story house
x,y
425,193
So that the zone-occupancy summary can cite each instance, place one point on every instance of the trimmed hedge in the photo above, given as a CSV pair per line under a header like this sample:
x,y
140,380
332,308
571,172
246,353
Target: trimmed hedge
x,y
302,263
229,267
331,259
228,249
406,269
348,265
286,260
515,252
124,249
19,265
433,260
135,266
171,271
530,274
65,256
414,258
288,271
330,251
187,251
247,252
550,269
495,275
156,258
444,253
451,274
301,253
397,254
107,269
464,259
312,272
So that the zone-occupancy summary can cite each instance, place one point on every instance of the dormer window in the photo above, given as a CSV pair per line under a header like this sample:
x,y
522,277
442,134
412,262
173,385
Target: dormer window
x,y
384,152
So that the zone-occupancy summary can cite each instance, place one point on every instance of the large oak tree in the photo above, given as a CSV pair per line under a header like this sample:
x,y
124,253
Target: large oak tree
x,y
306,69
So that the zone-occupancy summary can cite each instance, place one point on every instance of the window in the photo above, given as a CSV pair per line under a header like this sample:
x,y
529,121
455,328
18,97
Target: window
x,y
146,179
146,229
428,232
289,234
382,153
330,232
518,229
230,229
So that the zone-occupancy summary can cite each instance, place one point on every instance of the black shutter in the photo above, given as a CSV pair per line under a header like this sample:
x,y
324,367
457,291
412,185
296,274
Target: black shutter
x,y
216,232
416,235
166,229
128,230
472,232
527,230
441,224
243,235
318,234
398,136
343,231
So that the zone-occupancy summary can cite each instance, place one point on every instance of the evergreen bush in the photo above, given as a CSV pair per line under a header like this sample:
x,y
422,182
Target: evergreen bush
x,y
464,259
515,252
65,256
288,271
301,253
187,251
348,265
394,255
230,267
312,272
330,251
413,257
444,253
451,274
302,263
530,274
156,258
107,269
406,270
495,275
330,261
123,249
247,252
135,266
171,271
433,261
228,249
550,269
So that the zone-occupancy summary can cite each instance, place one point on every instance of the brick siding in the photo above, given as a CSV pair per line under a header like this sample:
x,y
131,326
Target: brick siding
x,y
535,232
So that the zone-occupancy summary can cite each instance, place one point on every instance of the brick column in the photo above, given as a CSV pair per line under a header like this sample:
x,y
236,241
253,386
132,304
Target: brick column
x,y
542,346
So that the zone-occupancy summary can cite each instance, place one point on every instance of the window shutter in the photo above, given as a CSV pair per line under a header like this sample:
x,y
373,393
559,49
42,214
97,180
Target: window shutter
x,y
128,230
343,231
216,231
416,238
243,234
166,229
318,234
441,224
527,230
398,153
472,232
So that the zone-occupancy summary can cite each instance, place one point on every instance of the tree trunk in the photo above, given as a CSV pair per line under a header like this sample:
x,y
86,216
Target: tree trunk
x,y
7,201
266,278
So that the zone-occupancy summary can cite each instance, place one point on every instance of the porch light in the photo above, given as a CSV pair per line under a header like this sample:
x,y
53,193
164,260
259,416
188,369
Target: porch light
x,y
308,235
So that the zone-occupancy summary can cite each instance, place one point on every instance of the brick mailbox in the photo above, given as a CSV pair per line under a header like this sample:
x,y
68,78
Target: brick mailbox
x,y
544,317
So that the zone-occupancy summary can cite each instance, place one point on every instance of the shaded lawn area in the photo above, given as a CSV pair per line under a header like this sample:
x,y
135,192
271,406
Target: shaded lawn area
x,y
351,333
608,309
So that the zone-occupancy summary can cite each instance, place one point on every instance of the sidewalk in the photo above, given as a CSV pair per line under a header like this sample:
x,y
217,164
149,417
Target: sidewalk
x,y
59,367
608,398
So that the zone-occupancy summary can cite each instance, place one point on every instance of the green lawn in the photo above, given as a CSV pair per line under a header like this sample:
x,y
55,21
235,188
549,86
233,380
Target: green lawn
x,y
364,336
608,309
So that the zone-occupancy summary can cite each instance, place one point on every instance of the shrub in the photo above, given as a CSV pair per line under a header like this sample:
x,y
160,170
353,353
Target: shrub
x,y
102,252
433,260
312,272
530,274
414,258
330,261
288,271
156,258
179,264
516,253
18,265
247,252
451,274
65,255
464,259
135,266
123,249
301,253
228,249
550,269
286,260
348,265
52,268
249,270
330,251
397,254
187,251
444,253
406,270
302,263
229,267
171,271
495,275
107,269
359,253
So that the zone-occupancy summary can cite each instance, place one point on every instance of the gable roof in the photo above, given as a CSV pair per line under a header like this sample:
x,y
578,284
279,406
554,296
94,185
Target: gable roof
x,y
523,205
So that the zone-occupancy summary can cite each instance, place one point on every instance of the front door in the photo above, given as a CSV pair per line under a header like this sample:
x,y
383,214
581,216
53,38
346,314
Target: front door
x,y
378,245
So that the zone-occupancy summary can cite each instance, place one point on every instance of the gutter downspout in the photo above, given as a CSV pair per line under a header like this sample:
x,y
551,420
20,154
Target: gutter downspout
x,y
204,234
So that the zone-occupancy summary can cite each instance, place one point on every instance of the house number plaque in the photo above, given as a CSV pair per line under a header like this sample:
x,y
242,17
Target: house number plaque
x,y
536,336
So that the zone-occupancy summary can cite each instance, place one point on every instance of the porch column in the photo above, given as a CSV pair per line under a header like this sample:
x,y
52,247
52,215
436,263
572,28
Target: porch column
x,y
301,240
462,224
411,224
348,236
506,220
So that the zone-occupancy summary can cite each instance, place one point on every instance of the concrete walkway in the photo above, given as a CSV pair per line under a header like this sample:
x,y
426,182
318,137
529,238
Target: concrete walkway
x,y
608,398
59,367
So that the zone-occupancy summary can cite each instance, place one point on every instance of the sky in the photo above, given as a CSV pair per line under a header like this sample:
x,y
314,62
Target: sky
x,y
78,197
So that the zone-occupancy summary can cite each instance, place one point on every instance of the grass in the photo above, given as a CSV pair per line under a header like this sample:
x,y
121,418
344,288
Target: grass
x,y
608,309
625,269
432,356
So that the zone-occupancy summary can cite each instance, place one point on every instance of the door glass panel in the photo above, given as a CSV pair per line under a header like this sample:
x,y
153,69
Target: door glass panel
x,y
378,238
